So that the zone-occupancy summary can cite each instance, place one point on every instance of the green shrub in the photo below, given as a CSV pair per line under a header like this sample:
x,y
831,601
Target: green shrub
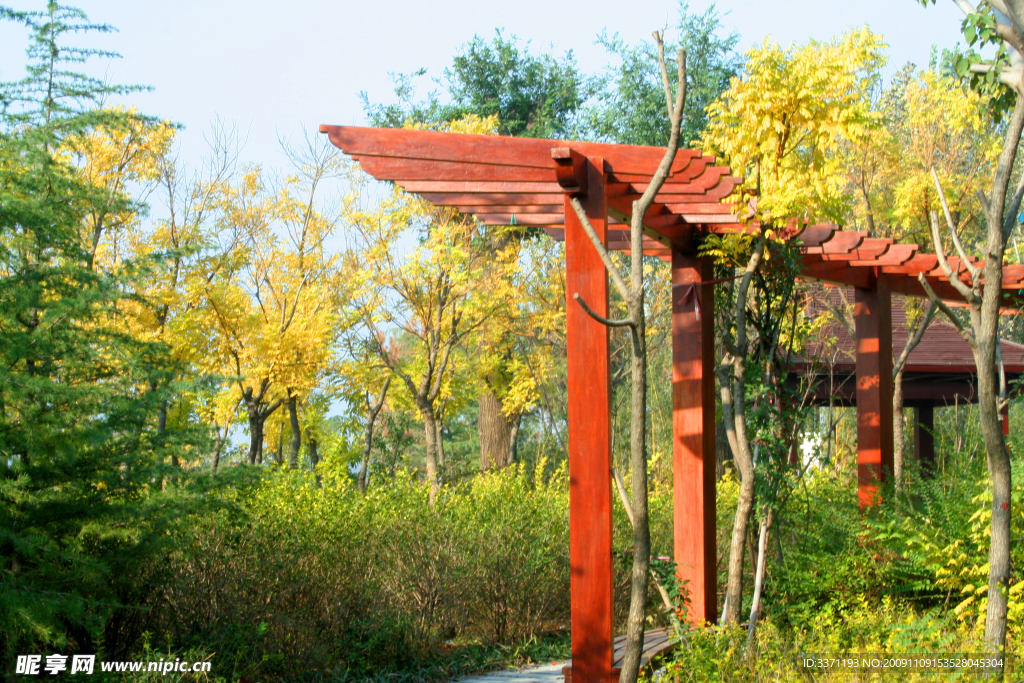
x,y
310,578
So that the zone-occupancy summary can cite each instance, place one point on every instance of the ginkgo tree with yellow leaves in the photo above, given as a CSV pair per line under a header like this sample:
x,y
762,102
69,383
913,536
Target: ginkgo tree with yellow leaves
x,y
781,126
926,121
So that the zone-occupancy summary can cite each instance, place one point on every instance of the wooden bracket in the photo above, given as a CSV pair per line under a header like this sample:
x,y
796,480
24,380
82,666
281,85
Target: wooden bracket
x,y
570,170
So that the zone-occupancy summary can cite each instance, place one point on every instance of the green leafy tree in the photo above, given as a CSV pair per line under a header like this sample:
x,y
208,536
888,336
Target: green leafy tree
x,y
532,95
630,100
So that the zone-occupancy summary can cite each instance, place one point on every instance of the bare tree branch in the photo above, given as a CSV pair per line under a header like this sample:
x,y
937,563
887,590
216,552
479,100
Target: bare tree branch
x,y
971,268
954,278
628,322
912,343
968,337
606,258
620,486
675,113
1011,219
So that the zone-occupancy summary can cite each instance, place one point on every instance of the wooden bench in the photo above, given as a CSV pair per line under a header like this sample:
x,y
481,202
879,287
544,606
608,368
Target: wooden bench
x,y
656,641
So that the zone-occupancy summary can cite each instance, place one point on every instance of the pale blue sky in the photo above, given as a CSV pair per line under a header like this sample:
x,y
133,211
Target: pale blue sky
x,y
272,67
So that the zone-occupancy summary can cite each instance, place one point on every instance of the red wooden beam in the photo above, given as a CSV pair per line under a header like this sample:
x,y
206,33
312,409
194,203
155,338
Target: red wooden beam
x,y
895,255
865,252
700,175
532,219
816,235
506,208
589,397
570,170
873,319
493,199
693,433
841,242
480,186
700,207
920,263
389,168
835,272
498,149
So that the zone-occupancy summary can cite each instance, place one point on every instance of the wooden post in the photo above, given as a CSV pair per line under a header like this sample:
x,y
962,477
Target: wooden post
x,y
873,318
693,433
1006,420
590,493
924,440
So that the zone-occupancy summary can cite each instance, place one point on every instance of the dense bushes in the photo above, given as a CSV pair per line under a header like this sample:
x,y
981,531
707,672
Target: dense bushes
x,y
724,654
327,578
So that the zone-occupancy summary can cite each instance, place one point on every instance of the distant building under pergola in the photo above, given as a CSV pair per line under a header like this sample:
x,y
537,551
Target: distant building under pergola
x,y
521,181
940,371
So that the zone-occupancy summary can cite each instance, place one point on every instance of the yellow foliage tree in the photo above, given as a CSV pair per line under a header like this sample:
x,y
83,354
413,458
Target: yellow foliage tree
x,y
426,278
119,161
269,305
784,126
783,123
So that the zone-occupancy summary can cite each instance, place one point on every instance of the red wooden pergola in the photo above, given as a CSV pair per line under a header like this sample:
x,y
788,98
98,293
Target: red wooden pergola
x,y
521,181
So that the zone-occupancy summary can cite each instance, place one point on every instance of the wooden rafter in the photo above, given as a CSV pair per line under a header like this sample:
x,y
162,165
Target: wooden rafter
x,y
524,181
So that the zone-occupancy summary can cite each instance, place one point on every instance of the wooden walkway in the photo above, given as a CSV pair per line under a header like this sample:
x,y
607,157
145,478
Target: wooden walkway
x,y
656,641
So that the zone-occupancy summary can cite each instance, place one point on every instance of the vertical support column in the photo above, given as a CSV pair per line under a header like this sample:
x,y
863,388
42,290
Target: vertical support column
x,y
589,389
693,432
873,318
924,441
1006,420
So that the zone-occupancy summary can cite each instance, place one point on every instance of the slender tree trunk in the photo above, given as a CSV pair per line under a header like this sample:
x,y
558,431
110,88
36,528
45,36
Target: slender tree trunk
x,y
495,433
999,467
897,429
513,439
638,475
371,419
897,391
733,388
161,428
984,296
722,452
311,445
439,441
216,456
293,416
430,436
222,437
991,390
255,438
741,522
279,456
314,456
762,551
